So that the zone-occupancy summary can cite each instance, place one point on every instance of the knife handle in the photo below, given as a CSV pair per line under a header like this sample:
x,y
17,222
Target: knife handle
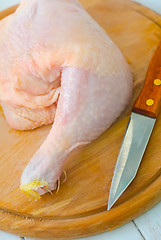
x,y
149,101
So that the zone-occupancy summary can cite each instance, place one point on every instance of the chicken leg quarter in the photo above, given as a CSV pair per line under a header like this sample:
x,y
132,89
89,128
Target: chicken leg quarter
x,y
59,66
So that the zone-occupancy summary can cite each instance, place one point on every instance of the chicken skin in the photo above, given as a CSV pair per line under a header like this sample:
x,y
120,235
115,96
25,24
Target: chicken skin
x,y
59,66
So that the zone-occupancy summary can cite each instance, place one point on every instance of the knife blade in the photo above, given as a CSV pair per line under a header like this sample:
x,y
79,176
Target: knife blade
x,y
140,126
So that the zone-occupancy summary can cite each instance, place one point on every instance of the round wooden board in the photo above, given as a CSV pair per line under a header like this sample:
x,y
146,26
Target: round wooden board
x,y
79,208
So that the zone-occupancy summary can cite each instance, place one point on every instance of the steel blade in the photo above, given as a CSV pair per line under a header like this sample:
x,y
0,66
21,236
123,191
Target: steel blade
x,y
132,149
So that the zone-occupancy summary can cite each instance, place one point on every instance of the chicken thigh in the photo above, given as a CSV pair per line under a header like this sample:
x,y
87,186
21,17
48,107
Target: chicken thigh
x,y
58,65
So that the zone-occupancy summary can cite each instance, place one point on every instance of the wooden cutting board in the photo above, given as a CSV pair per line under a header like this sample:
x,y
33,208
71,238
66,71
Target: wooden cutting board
x,y
79,208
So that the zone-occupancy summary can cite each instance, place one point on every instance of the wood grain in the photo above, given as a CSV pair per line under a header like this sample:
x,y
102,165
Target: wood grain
x,y
121,233
150,223
149,101
79,208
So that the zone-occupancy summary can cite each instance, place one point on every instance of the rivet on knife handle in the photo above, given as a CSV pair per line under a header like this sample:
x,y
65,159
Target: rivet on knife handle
x,y
149,101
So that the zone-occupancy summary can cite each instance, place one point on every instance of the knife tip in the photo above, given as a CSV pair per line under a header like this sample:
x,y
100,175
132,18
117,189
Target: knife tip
x,y
110,204
108,207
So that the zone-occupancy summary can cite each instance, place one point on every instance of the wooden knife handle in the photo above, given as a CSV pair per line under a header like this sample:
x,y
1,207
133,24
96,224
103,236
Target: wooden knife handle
x,y
149,101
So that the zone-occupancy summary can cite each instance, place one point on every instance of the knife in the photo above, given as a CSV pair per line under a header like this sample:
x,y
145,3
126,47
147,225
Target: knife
x,y
139,129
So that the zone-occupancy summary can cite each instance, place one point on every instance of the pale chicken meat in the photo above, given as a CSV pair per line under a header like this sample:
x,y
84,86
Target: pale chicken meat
x,y
59,66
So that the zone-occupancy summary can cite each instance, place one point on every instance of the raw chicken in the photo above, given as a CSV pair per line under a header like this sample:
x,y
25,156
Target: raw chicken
x,y
58,65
